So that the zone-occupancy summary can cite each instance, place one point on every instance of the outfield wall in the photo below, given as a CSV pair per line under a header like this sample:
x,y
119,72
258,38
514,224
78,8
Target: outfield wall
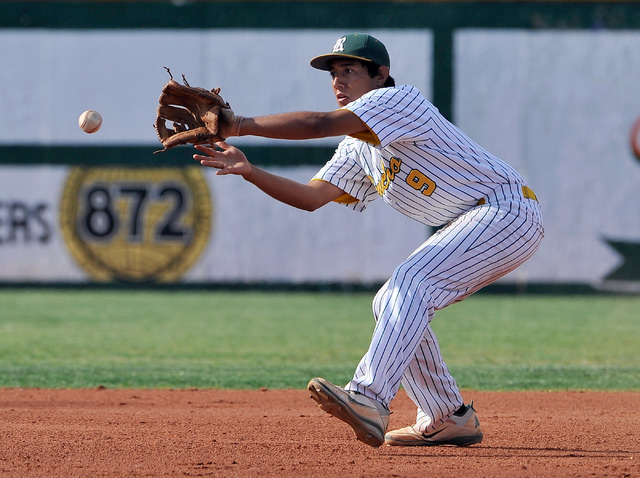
x,y
552,88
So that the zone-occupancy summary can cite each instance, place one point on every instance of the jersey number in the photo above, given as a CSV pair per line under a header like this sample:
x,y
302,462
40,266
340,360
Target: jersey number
x,y
418,181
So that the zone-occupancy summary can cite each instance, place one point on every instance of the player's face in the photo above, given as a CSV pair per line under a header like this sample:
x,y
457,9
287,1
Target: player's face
x,y
350,80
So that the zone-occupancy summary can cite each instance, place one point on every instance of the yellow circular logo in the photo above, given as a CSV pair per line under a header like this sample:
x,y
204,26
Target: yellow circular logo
x,y
136,224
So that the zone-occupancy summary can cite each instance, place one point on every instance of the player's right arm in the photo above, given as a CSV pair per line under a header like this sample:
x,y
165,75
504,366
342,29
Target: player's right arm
x,y
295,125
228,159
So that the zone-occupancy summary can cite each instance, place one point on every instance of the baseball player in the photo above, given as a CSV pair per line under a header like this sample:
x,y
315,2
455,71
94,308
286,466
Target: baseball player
x,y
398,147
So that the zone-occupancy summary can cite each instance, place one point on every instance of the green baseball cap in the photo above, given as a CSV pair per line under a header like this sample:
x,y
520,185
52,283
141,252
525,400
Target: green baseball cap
x,y
359,46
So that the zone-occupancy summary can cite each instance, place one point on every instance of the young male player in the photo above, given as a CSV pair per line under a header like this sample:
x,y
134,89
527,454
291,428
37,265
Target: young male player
x,y
399,147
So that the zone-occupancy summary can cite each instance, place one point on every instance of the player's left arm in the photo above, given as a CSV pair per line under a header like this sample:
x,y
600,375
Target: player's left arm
x,y
228,159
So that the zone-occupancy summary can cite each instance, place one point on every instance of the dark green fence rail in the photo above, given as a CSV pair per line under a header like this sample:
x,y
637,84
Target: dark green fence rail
x,y
143,156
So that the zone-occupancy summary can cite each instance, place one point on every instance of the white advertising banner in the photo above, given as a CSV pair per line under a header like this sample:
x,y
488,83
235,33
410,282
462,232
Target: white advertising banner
x,y
561,106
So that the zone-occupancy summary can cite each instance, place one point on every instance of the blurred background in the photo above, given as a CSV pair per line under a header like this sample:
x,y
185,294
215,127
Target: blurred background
x,y
553,88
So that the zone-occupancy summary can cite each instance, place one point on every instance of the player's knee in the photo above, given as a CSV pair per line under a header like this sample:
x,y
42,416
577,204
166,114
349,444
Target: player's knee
x,y
379,300
410,280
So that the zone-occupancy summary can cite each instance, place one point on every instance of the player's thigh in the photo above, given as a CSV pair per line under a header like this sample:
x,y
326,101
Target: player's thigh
x,y
479,247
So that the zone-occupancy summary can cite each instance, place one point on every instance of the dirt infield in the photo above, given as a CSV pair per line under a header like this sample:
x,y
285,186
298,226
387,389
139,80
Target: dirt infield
x,y
104,432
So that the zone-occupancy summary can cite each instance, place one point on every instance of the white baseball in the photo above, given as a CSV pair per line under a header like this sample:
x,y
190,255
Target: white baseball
x,y
90,121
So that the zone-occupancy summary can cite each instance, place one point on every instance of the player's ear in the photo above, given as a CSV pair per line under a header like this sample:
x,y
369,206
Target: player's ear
x,y
383,74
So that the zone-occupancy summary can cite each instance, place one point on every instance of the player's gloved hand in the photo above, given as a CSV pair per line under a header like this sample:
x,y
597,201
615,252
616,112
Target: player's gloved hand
x,y
196,115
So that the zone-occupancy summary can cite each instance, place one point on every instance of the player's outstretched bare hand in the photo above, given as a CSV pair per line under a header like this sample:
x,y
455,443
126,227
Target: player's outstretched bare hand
x,y
224,157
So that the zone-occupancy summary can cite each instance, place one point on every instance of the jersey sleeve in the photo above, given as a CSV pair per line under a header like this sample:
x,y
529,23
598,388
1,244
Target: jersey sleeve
x,y
391,114
344,171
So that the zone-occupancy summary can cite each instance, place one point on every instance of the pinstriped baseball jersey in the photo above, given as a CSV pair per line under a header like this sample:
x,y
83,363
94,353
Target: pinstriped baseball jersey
x,y
421,164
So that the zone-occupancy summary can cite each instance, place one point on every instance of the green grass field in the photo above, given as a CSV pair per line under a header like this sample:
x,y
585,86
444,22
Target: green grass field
x,y
186,339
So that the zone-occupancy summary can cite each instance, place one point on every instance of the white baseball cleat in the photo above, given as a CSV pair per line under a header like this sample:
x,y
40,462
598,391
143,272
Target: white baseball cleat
x,y
368,418
460,429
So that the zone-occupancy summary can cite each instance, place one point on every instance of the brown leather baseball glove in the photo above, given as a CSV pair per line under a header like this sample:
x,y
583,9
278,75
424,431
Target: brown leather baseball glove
x,y
198,115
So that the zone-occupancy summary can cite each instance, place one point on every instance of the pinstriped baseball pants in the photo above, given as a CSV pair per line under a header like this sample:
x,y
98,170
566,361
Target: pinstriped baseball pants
x,y
480,246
